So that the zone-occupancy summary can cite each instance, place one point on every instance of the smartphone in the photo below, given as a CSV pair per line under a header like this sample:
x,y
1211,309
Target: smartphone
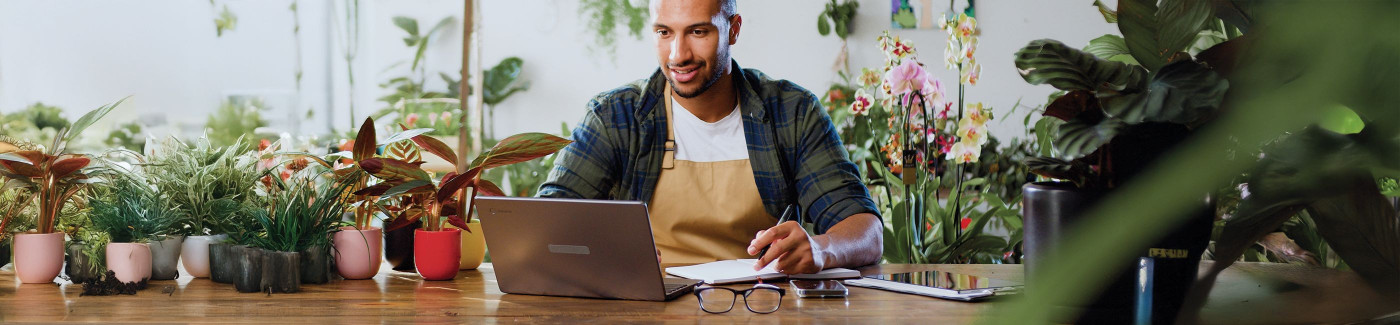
x,y
818,288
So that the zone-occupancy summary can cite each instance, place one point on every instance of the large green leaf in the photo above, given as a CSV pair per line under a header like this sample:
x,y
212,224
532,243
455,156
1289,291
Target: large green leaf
x,y
1110,47
1362,227
1051,62
87,120
1109,15
1182,92
410,26
497,80
519,148
1158,35
1083,135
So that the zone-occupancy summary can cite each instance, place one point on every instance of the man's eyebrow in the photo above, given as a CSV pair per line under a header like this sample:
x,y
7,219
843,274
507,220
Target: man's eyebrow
x,y
703,24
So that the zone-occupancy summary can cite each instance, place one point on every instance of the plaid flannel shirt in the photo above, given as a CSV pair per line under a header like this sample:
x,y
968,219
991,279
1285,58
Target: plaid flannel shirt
x,y
618,148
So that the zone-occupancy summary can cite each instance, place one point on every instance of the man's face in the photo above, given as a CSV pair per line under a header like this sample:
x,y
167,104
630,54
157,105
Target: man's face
x,y
692,43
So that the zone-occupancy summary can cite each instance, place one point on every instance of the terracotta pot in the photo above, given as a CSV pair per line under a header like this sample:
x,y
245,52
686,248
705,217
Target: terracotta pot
x,y
281,271
194,253
131,262
473,246
222,264
398,247
358,253
38,257
249,272
80,268
315,265
437,254
165,258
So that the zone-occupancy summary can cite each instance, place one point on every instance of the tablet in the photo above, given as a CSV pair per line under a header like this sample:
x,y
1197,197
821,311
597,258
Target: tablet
x,y
939,284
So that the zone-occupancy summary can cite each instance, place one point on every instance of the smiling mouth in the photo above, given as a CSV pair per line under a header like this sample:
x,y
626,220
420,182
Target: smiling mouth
x,y
684,75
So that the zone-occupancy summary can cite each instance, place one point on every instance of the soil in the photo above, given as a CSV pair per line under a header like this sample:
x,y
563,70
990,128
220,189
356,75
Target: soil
x,y
109,285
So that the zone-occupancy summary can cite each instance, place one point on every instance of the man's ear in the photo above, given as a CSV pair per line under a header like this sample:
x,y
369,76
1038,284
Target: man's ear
x,y
734,23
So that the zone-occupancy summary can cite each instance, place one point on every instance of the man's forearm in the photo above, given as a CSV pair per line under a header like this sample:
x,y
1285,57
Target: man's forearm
x,y
853,242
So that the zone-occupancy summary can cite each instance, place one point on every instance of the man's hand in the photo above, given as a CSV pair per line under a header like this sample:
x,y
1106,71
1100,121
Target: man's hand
x,y
792,249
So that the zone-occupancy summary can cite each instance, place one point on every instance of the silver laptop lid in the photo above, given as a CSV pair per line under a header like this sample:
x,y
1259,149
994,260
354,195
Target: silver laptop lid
x,y
579,248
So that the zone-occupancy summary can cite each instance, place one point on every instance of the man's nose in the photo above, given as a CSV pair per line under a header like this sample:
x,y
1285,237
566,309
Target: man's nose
x,y
680,51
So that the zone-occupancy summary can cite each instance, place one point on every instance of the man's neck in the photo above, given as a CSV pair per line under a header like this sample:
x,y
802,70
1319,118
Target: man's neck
x,y
715,103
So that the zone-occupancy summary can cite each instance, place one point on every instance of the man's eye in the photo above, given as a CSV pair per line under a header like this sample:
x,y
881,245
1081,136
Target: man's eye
x,y
663,32
698,32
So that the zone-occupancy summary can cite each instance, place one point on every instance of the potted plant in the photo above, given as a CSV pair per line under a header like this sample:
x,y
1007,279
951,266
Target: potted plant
x,y
1127,101
301,215
358,246
211,185
51,177
130,210
437,252
87,245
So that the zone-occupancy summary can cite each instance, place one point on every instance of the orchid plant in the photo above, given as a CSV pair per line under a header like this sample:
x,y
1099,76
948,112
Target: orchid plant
x,y
929,134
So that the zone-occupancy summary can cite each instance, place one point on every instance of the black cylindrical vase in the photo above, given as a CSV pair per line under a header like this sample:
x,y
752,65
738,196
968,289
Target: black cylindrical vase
x,y
281,271
222,264
315,265
249,272
398,247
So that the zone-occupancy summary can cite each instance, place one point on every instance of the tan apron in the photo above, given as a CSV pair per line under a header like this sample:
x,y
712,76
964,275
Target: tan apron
x,y
704,211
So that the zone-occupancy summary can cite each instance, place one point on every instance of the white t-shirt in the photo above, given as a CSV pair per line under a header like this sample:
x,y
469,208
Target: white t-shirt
x,y
700,141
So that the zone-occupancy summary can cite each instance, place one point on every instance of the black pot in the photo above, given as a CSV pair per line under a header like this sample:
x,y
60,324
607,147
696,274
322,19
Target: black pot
x,y
248,272
4,254
281,271
1051,209
398,247
79,268
315,265
222,264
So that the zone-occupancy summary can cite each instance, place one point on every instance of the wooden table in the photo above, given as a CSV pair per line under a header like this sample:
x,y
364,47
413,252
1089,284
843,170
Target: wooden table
x,y
1247,293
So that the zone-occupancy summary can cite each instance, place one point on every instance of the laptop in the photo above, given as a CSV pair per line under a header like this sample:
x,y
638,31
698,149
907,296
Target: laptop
x,y
575,248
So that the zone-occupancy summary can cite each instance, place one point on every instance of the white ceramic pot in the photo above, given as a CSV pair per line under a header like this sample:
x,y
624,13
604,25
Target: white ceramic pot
x,y
194,254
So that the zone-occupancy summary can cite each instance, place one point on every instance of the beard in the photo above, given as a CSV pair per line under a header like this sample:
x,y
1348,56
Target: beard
x,y
710,80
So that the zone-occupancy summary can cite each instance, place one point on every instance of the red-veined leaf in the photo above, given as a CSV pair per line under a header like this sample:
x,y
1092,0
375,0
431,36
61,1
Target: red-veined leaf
x,y
436,147
378,189
487,188
364,141
415,186
451,183
389,169
458,222
24,163
67,165
520,148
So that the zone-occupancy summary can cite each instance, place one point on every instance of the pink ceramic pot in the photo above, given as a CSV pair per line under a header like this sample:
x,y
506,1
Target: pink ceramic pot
x,y
437,253
38,257
357,252
131,262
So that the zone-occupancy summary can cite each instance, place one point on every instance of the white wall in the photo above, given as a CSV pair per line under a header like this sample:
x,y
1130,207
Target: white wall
x,y
79,54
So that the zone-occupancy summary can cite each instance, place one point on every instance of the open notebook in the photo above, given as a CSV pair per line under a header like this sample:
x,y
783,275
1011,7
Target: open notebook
x,y
739,271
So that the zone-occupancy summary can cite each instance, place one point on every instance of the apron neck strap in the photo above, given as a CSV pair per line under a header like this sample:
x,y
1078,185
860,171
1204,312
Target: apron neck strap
x,y
669,157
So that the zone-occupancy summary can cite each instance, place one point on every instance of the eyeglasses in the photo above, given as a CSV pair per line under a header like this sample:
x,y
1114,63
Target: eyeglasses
x,y
762,298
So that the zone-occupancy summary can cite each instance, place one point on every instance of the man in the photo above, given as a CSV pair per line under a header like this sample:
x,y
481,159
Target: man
x,y
719,153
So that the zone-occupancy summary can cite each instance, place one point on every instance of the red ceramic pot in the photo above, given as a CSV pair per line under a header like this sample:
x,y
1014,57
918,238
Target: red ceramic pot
x,y
437,253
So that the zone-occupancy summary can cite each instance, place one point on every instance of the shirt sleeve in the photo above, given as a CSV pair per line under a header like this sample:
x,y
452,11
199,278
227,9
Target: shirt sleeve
x,y
828,183
586,168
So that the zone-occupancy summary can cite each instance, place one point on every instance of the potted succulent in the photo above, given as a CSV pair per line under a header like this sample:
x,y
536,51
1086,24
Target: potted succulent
x,y
437,252
1126,102
51,177
211,185
131,211
301,216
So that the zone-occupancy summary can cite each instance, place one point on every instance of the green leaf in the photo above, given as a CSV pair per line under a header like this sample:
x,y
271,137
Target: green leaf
x,y
88,119
842,30
497,81
1073,171
1362,227
1157,36
406,135
1182,92
1109,47
390,169
1342,120
1051,62
519,148
1082,136
409,187
823,27
408,25
1109,15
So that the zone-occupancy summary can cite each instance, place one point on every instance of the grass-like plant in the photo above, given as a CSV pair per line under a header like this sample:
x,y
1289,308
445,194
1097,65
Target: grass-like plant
x,y
301,214
129,209
212,185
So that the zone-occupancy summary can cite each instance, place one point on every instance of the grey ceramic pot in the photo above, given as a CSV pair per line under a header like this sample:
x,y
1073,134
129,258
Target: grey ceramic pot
x,y
248,275
222,264
80,268
281,271
315,265
165,258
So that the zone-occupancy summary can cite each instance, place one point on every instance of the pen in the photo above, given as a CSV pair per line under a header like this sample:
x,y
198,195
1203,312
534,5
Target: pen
x,y
781,219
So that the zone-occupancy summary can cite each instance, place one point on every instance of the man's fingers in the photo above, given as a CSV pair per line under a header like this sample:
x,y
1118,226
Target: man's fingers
x,y
786,246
